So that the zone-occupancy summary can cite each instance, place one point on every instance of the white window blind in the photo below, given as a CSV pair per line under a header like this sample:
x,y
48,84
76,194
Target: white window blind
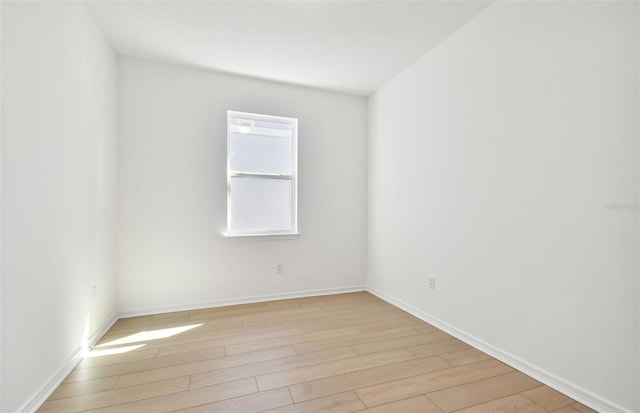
x,y
261,174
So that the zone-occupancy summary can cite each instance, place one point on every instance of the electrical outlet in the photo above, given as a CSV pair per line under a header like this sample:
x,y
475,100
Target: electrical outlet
x,y
432,282
94,291
280,268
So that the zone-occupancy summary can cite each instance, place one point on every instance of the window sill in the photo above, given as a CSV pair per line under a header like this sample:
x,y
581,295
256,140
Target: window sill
x,y
287,235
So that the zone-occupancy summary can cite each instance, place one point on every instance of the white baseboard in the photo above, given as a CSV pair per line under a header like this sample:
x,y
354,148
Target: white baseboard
x,y
240,300
42,394
575,392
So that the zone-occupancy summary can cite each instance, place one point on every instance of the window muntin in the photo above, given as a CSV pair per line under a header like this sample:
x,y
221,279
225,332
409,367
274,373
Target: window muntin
x,y
261,174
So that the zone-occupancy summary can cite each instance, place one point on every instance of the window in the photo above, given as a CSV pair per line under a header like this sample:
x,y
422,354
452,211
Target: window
x,y
261,174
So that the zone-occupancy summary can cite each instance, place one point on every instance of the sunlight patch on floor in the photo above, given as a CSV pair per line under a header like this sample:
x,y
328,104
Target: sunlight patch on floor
x,y
111,351
150,335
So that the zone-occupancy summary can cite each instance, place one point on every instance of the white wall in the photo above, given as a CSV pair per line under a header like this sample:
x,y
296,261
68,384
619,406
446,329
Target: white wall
x,y
172,191
58,192
505,163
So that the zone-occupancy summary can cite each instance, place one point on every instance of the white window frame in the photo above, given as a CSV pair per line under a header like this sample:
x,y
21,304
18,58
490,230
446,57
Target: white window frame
x,y
293,231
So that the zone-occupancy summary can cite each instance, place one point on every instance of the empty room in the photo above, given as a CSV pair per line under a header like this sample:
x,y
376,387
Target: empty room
x,y
320,206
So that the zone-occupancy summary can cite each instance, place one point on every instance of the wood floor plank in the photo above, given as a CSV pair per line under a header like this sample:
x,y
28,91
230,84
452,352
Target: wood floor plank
x,y
111,397
174,316
118,369
221,325
511,404
319,371
401,342
232,338
354,339
261,344
462,357
426,328
352,319
321,320
438,347
83,387
229,311
339,403
308,319
548,398
582,408
327,314
215,338
481,391
252,403
188,347
185,399
364,378
566,409
278,316
430,382
418,404
249,313
270,366
196,367
389,325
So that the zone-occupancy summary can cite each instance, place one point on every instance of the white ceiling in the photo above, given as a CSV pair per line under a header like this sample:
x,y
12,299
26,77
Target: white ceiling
x,y
347,46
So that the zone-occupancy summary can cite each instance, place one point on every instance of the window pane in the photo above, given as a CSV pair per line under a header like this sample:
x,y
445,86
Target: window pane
x,y
260,127
260,204
260,154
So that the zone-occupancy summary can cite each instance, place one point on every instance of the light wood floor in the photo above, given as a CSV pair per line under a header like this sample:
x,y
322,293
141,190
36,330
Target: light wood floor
x,y
339,353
